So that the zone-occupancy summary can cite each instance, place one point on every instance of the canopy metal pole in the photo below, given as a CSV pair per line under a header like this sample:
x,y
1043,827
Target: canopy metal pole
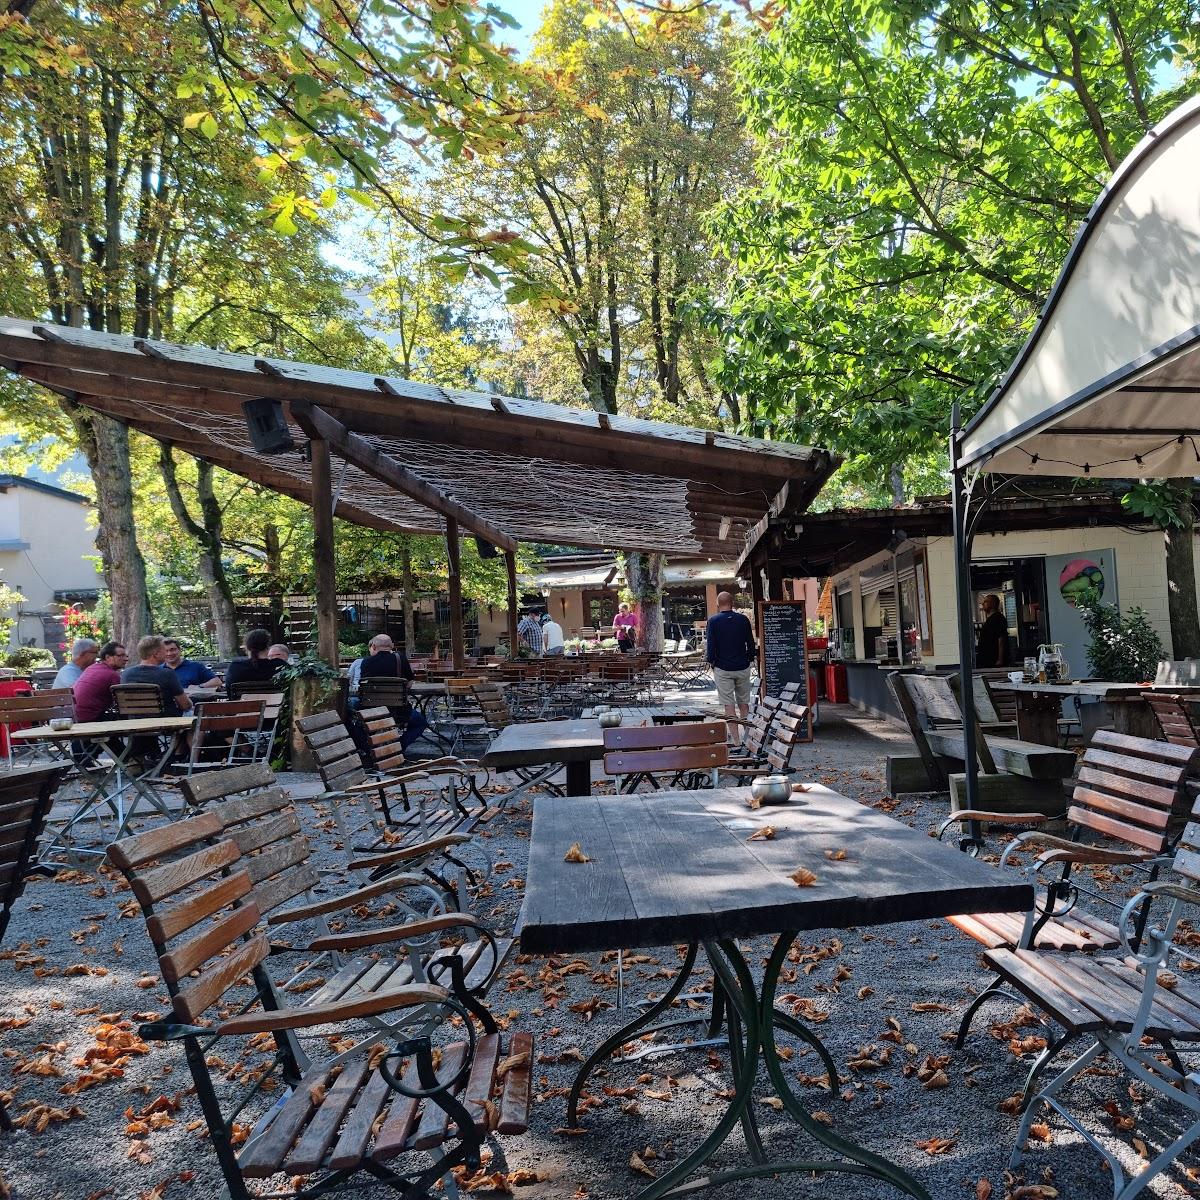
x,y
966,626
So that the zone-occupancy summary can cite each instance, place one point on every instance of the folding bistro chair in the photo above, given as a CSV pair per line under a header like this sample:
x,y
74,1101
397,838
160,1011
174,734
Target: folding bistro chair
x,y
687,755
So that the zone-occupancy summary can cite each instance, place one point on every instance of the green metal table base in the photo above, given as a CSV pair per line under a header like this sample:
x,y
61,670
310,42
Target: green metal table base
x,y
751,1018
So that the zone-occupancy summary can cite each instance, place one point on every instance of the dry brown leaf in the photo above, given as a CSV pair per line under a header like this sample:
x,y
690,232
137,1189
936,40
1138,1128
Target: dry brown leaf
x,y
864,992
511,1063
983,1190
936,1145
638,1164
765,834
930,1007
773,1102
575,854
1012,1105
836,855
822,1116
752,801
939,1079
1040,1132
803,877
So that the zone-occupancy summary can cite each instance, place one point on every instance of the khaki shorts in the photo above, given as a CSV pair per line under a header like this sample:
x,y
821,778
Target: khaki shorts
x,y
733,687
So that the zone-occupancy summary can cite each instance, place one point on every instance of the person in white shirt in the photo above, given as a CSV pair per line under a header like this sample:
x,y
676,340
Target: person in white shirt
x,y
83,653
552,636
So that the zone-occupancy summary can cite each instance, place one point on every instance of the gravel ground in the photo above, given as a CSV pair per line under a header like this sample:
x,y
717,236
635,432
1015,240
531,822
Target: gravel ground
x,y
78,966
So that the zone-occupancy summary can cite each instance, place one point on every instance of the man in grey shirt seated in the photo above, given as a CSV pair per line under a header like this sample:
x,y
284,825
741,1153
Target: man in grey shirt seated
x,y
83,654
151,653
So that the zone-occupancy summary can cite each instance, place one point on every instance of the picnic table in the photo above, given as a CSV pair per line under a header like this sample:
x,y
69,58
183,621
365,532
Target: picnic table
x,y
1038,706
101,752
673,867
654,714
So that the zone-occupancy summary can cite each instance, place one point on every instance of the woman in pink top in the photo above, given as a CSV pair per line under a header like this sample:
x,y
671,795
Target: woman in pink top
x,y
93,689
625,625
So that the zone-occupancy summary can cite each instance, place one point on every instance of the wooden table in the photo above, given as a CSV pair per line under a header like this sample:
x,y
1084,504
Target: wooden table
x,y
1039,705
655,714
104,767
675,867
573,744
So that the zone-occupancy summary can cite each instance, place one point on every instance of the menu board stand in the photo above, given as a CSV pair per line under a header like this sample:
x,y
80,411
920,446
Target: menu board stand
x,y
783,650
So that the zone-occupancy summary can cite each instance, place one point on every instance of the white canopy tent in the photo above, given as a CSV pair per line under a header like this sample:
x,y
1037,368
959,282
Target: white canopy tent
x,y
1108,383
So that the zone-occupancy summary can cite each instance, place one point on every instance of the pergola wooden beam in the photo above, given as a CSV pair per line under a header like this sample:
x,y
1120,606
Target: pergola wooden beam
x,y
317,423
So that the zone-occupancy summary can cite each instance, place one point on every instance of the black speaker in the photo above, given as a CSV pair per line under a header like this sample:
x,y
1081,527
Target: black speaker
x,y
269,432
486,549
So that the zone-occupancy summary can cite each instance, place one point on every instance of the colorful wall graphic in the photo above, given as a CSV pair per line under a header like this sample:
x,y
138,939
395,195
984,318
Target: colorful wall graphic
x,y
1080,577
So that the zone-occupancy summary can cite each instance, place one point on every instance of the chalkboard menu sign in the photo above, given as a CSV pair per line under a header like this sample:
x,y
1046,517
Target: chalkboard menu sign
x,y
783,648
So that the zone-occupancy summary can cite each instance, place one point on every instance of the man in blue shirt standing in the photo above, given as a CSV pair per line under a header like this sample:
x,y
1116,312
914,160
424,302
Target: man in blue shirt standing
x,y
729,640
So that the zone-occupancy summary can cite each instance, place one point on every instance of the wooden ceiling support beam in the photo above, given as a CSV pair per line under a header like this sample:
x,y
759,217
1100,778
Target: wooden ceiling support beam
x,y
317,423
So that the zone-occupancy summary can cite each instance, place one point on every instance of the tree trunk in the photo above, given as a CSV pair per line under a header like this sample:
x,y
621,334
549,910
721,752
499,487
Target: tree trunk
x,y
1181,578
105,444
309,696
644,578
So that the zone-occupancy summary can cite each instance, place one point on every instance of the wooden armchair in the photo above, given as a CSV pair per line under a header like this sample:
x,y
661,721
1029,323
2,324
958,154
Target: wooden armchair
x,y
370,1109
1128,1008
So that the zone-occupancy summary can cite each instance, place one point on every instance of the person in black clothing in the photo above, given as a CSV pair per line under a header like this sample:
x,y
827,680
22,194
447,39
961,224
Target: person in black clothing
x,y
729,650
386,662
991,648
256,667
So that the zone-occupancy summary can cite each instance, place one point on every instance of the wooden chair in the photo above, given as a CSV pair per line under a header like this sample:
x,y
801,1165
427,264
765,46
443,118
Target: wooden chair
x,y
786,725
139,700
34,708
1174,716
363,1110
685,755
1123,801
415,831
227,732
382,691
1127,1010
26,794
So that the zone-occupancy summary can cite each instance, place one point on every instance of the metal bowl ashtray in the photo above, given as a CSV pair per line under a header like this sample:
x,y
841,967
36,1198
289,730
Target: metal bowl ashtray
x,y
772,789
609,719
60,723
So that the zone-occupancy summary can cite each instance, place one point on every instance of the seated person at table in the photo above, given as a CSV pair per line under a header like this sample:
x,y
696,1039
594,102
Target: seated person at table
x,y
256,667
280,653
83,654
190,674
93,689
152,654
384,661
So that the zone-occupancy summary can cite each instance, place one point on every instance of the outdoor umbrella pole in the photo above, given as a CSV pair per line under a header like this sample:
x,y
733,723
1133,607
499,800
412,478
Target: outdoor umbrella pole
x,y
966,629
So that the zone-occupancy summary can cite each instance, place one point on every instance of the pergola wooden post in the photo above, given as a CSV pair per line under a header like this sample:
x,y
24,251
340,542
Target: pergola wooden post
x,y
323,552
510,564
458,653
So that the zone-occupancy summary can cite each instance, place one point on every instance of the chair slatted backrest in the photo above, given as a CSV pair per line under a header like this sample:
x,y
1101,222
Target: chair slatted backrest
x,y
337,757
36,708
1129,788
1003,704
1187,853
139,700
789,727
26,795
933,700
1174,716
493,705
202,790
383,736
758,732
689,746
226,729
196,894
386,690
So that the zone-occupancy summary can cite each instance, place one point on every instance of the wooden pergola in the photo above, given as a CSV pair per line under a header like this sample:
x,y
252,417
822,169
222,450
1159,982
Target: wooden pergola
x,y
395,455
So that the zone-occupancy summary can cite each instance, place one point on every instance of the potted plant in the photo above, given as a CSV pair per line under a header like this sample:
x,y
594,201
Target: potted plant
x,y
312,686
1123,649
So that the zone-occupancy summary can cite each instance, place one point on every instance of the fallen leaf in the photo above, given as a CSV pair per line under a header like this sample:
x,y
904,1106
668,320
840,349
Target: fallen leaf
x,y
638,1164
930,1007
576,855
836,855
511,1063
983,1190
1040,1132
803,877
773,1102
937,1145
765,834
939,1079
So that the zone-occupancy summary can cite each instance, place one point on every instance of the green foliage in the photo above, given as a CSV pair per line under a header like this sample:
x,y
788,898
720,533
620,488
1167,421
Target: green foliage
x,y
923,171
9,599
308,667
1124,649
1159,501
29,658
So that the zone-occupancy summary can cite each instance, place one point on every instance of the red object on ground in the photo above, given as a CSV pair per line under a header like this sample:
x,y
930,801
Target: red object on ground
x,y
836,687
816,684
817,643
13,687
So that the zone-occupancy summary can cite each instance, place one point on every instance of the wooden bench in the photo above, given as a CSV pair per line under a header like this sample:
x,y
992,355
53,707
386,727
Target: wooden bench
x,y
1124,798
365,1109
1015,776
1128,1011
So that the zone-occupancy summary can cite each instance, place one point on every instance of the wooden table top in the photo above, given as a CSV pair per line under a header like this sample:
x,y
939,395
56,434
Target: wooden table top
x,y
536,743
101,729
644,714
671,867
1098,688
